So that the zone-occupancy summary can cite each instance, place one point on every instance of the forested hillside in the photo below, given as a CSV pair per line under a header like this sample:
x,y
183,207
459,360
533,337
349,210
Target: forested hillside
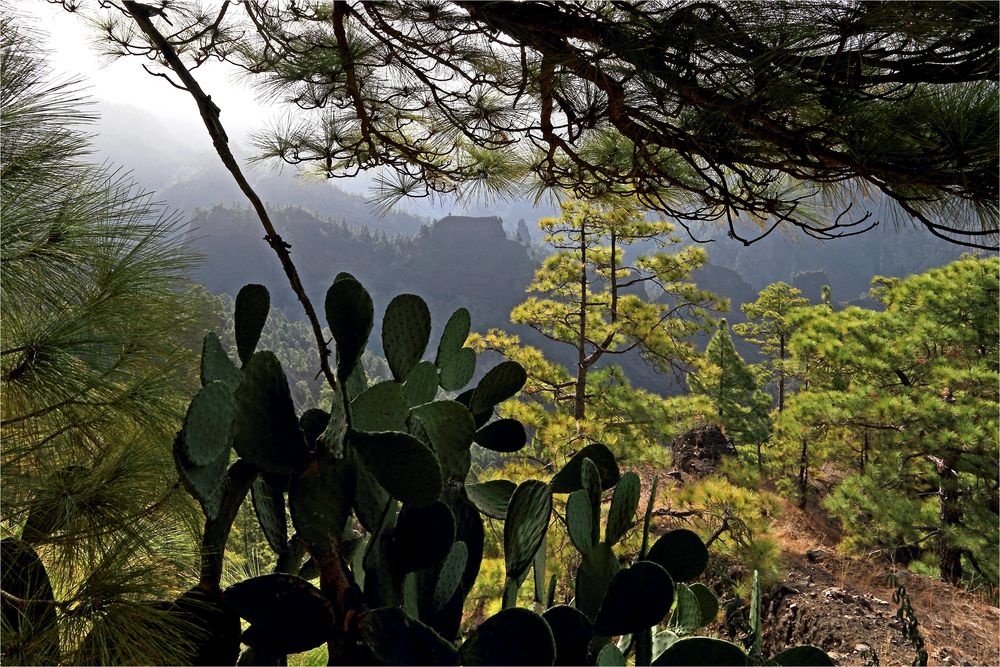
x,y
733,400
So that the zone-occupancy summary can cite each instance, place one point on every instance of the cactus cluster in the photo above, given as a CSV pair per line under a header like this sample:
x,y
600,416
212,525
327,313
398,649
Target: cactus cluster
x,y
384,523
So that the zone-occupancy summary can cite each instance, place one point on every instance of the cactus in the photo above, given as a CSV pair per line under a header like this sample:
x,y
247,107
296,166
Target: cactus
x,y
395,459
29,626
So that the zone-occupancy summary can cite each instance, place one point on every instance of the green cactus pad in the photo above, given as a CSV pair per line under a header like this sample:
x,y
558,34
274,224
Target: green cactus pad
x,y
217,641
681,553
397,639
335,433
524,529
216,366
572,631
538,570
313,423
804,656
590,480
421,384
252,305
455,333
567,480
610,656
450,428
319,499
205,483
207,423
593,577
702,651
624,503
381,408
34,633
370,498
662,641
579,517
707,602
459,370
686,616
512,637
356,383
503,435
401,464
450,574
637,598
350,314
423,536
500,383
265,429
287,614
406,329
647,517
269,505
491,498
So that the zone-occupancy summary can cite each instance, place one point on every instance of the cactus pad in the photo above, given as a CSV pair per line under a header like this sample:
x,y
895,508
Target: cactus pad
x,y
207,423
421,384
500,383
806,656
450,428
491,498
590,479
397,639
707,602
319,502
205,483
313,423
401,464
686,617
350,314
269,505
567,480
252,305
624,503
511,637
503,435
423,536
265,430
459,370
381,408
610,656
217,641
593,577
216,364
572,631
406,329
579,520
455,333
681,553
638,598
287,614
524,529
701,651
450,574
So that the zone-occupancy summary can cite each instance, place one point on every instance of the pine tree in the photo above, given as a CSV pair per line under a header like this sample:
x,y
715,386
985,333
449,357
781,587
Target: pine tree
x,y
95,368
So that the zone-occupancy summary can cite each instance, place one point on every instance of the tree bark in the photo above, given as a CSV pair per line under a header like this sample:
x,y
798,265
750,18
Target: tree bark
x,y
951,516
580,395
803,473
781,372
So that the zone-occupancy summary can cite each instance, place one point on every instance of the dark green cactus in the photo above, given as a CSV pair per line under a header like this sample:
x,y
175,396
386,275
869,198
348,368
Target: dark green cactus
x,y
384,519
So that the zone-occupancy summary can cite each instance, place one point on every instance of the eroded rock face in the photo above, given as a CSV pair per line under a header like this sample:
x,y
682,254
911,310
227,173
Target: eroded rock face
x,y
699,451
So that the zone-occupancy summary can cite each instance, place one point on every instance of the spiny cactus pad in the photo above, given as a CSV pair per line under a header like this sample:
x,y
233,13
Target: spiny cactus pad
x,y
579,520
369,497
500,383
269,505
205,483
218,643
624,503
502,435
207,423
707,602
701,651
686,617
252,305
401,464
572,631
590,480
456,331
527,520
382,407
216,364
681,553
450,574
638,598
610,656
492,497
804,656
313,422
459,370
319,501
397,639
406,329
567,479
593,577
421,384
287,614
450,428
511,637
423,536
265,430
350,315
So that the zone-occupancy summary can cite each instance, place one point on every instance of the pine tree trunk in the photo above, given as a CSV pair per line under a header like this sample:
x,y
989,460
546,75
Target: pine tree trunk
x,y
951,515
781,374
803,474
